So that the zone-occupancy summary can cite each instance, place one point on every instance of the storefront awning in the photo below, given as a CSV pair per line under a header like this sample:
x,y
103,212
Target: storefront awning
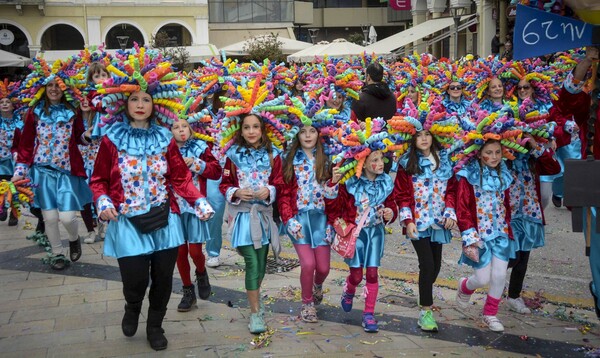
x,y
197,53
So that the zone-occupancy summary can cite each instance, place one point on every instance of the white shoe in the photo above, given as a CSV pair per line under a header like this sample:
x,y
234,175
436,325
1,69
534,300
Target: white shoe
x,y
462,299
90,238
213,261
493,323
517,305
101,229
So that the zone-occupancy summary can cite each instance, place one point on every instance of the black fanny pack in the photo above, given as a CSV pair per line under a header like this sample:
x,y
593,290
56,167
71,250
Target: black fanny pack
x,y
156,218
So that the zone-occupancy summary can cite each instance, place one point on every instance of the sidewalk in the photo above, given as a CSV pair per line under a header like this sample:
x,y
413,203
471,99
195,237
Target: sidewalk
x,y
78,312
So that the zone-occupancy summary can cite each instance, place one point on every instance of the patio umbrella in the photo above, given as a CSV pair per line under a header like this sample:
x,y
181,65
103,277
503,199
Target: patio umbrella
x,y
288,46
9,59
339,48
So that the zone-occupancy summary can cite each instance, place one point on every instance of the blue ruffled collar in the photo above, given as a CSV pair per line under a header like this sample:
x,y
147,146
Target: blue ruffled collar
x,y
193,148
11,123
443,171
245,157
485,177
58,113
136,141
301,156
521,163
453,107
377,190
488,105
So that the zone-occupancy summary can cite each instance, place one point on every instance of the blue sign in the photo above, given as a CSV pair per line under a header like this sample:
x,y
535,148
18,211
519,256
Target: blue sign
x,y
539,33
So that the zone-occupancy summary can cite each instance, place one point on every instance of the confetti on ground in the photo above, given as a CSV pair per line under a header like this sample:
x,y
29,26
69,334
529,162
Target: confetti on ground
x,y
263,340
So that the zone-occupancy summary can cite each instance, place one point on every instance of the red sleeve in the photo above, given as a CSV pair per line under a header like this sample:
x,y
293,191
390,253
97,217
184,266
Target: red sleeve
x,y
342,206
212,170
16,140
179,175
78,127
507,215
451,188
106,178
229,177
276,177
577,104
465,205
405,197
27,141
547,164
562,138
285,197
390,202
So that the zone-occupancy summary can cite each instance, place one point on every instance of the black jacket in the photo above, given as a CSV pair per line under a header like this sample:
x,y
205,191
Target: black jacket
x,y
376,100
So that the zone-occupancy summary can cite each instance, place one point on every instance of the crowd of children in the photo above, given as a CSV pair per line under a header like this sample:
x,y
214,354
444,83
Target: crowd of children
x,y
278,150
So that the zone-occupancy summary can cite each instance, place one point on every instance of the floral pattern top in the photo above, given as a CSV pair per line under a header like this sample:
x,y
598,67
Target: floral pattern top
x,y
7,135
370,195
524,202
54,132
193,148
310,192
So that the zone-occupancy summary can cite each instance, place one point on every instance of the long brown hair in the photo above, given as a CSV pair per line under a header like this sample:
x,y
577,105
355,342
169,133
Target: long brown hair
x,y
322,165
412,166
264,139
63,100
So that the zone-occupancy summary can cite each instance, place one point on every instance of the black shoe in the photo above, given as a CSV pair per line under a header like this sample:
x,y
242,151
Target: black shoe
x,y
40,227
557,201
203,285
131,317
75,249
58,262
154,332
13,221
595,299
188,300
3,214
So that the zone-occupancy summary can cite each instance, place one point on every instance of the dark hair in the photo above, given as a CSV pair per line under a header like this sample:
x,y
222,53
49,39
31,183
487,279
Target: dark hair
x,y
95,67
490,141
264,139
152,114
412,166
322,165
375,71
216,101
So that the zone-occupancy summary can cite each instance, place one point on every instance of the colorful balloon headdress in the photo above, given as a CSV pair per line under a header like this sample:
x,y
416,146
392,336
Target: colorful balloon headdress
x,y
413,71
332,78
252,101
199,119
532,121
536,73
145,70
10,90
482,72
66,74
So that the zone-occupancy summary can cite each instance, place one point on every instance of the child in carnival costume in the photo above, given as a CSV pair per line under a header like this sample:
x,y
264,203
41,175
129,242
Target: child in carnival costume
x,y
362,194
10,133
138,171
426,192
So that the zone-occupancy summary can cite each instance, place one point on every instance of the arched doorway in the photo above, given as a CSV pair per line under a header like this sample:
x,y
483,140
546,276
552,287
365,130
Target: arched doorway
x,y
13,40
62,37
123,36
177,35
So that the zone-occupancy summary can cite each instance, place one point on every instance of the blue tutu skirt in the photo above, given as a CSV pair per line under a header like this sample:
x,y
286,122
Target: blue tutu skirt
x,y
501,247
314,226
440,236
54,189
528,234
195,231
7,167
123,239
369,247
241,231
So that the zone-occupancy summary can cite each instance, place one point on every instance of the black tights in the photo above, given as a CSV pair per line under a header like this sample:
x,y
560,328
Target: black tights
x,y
88,217
135,277
517,276
430,262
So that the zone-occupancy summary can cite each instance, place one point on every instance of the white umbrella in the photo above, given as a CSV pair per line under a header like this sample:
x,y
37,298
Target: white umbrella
x,y
339,48
288,46
9,59
372,34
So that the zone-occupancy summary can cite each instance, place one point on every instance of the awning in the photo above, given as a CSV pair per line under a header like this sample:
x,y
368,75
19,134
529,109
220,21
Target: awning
x,y
338,48
9,59
197,53
288,46
413,34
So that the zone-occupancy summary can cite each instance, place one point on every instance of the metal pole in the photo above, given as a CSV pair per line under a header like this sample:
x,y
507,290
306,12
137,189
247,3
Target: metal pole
x,y
456,23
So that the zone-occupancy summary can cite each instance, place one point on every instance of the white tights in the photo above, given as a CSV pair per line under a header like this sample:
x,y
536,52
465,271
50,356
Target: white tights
x,y
546,193
69,221
493,274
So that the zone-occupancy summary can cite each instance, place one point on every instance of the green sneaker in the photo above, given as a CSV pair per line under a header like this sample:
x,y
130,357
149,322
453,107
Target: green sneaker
x,y
427,322
257,324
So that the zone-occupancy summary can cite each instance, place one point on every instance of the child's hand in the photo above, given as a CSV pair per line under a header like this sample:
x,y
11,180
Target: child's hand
x,y
188,161
294,228
262,193
109,214
411,231
449,223
386,213
336,175
244,194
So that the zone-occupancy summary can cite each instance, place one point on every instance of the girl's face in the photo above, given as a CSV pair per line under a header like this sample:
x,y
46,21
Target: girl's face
x,y
139,106
423,142
308,137
491,154
454,90
181,131
412,94
99,76
374,163
495,89
6,105
299,85
335,103
53,92
251,131
524,90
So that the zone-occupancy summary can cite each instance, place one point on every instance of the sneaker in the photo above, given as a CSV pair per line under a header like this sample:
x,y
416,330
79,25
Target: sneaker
x,y
557,201
213,262
317,294
369,323
257,324
90,238
462,299
347,301
517,305
309,313
427,322
493,323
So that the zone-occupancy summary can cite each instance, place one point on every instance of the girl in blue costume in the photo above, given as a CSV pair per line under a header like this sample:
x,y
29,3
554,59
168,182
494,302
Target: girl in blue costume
x,y
426,197
48,153
137,169
369,193
483,212
197,156
10,133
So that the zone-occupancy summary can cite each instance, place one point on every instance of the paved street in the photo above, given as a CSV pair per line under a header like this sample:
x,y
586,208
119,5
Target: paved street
x,y
78,312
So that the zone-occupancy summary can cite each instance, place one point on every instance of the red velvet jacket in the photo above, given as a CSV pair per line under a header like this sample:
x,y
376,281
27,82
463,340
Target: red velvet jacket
x,y
106,179
286,200
212,170
579,105
16,141
28,145
230,179
558,115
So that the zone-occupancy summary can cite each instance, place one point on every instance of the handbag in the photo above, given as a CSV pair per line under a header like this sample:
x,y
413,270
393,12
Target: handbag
x,y
155,219
344,242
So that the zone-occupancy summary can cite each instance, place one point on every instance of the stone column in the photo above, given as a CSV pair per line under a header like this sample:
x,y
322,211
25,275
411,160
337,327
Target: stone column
x,y
419,15
486,28
201,31
437,8
94,31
